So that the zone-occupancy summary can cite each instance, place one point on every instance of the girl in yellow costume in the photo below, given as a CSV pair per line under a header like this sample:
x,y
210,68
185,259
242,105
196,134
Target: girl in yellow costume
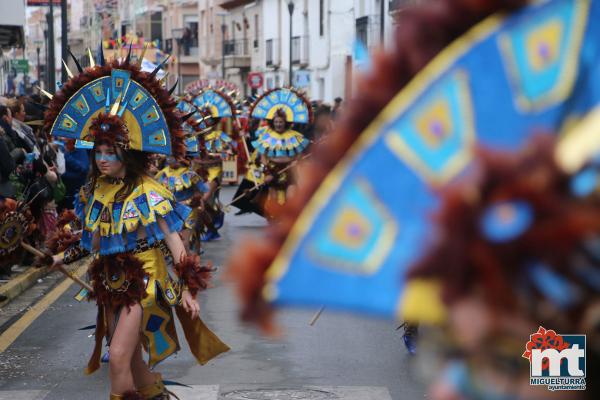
x,y
131,224
277,144
218,108
186,185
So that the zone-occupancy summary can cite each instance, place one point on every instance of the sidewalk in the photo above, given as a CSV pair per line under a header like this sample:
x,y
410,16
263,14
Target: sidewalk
x,y
20,283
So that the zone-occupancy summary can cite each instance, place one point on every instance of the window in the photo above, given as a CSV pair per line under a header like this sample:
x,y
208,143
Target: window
x,y
156,26
255,31
321,17
269,52
190,35
362,25
296,49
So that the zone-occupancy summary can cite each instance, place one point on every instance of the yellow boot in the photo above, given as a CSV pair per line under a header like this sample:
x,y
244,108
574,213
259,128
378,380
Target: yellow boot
x,y
157,390
129,395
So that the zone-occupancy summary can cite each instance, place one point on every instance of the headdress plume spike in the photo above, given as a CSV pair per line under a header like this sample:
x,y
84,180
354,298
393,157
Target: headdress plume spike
x,y
47,94
91,58
159,66
128,59
102,60
69,73
77,64
174,86
141,59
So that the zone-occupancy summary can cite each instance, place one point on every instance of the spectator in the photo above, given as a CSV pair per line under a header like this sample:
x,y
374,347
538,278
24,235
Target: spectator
x,y
41,198
337,105
77,163
7,166
12,140
24,131
323,121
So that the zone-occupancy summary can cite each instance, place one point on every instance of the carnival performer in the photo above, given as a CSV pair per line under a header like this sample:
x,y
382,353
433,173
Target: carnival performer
x,y
277,144
131,224
180,178
216,146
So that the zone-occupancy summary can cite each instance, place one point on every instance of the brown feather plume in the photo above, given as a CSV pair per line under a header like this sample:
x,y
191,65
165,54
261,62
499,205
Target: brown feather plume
x,y
105,266
194,275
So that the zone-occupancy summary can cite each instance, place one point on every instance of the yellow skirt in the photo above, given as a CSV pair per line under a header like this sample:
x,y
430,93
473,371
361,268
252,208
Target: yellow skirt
x,y
158,334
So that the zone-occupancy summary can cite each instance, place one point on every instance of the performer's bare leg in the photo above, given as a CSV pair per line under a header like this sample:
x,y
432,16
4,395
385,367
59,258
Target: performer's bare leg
x,y
186,234
142,376
124,342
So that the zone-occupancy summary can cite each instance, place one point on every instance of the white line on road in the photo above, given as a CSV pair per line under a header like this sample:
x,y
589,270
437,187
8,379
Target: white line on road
x,y
24,395
205,392
212,392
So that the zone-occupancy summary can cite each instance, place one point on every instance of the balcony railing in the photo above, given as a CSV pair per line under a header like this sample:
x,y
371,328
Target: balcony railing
x,y
238,48
237,53
300,50
272,56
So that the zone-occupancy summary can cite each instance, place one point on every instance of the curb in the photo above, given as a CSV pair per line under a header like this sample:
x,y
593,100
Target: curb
x,y
21,283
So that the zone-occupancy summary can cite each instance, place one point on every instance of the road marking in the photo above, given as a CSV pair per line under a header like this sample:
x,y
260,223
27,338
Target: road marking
x,y
357,392
24,395
204,392
241,392
212,392
16,329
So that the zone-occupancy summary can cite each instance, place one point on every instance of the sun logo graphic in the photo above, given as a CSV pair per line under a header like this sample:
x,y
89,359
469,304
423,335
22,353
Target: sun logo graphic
x,y
556,361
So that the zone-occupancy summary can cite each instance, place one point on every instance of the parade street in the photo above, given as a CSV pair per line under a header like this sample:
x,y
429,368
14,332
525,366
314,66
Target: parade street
x,y
341,357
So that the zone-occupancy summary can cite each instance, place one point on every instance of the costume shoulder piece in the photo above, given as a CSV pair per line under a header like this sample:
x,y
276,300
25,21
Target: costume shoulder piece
x,y
180,181
118,222
273,144
118,103
217,141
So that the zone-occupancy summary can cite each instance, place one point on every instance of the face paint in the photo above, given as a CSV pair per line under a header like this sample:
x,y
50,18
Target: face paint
x,y
106,157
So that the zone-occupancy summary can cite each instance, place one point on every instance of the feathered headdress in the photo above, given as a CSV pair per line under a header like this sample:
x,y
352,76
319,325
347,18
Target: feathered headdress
x,y
118,103
287,102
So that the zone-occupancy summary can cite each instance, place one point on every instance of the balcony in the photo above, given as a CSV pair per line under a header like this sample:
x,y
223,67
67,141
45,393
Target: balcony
x,y
272,56
300,51
237,53
189,50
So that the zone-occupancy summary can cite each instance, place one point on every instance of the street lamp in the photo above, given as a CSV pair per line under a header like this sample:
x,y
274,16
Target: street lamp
x,y
37,50
38,43
291,10
177,34
223,29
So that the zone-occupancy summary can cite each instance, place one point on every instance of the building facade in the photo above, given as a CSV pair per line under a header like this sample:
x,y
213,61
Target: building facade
x,y
315,45
180,30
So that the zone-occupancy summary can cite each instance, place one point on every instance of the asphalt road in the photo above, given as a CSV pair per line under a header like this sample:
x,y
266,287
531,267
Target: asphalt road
x,y
342,357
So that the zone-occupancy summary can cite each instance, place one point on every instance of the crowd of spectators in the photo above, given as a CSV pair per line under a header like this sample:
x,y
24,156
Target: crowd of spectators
x,y
46,175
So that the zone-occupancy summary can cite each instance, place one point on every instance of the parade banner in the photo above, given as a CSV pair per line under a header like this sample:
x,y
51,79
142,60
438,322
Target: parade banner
x,y
370,220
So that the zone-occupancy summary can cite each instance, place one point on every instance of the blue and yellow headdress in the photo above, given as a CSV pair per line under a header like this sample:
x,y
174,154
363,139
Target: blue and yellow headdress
x,y
217,102
117,103
295,106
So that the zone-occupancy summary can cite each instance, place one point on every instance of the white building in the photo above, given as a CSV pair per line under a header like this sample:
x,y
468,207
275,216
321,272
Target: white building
x,y
324,37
